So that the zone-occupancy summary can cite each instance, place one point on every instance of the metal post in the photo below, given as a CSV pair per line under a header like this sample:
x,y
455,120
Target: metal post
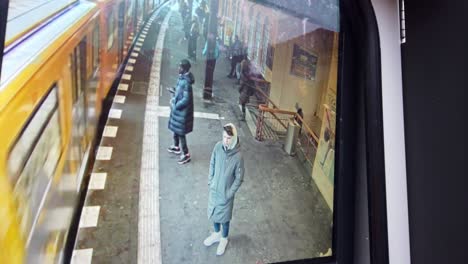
x,y
259,132
213,31
3,23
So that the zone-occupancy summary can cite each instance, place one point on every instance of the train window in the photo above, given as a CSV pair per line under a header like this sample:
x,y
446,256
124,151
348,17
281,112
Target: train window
x,y
33,159
96,47
110,29
252,32
74,77
78,69
266,42
258,39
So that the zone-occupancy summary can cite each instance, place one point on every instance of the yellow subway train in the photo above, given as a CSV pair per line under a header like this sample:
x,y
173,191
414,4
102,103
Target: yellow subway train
x,y
54,79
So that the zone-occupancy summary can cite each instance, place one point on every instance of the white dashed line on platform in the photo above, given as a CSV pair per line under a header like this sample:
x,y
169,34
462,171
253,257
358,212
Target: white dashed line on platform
x,y
132,61
115,113
139,44
104,153
97,181
82,256
120,99
127,77
123,87
110,131
134,54
137,49
89,216
129,68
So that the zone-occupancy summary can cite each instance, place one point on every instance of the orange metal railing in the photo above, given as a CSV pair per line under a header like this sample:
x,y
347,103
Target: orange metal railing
x,y
272,123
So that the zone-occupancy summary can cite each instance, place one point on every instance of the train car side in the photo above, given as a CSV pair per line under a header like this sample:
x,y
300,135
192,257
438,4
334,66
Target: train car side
x,y
51,96
37,179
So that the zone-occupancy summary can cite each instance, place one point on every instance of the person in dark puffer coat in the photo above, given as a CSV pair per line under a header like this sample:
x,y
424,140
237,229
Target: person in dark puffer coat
x,y
181,117
247,87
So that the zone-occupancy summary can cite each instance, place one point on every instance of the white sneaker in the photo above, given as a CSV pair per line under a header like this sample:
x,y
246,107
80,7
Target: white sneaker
x,y
222,246
213,238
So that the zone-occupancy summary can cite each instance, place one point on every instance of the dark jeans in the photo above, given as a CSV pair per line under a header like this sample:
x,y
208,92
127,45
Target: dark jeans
x,y
234,61
217,228
183,141
192,47
210,67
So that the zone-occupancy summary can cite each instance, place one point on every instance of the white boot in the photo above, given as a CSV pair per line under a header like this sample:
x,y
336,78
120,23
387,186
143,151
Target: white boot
x,y
213,238
222,246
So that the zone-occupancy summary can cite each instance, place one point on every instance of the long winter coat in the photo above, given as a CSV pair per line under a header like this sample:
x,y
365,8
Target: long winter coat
x,y
181,118
225,178
247,84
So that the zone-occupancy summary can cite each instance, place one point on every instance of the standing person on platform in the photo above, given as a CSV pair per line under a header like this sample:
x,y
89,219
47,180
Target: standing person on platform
x,y
201,12
236,56
181,117
186,18
206,24
242,57
183,10
247,87
225,177
211,57
297,118
192,45
187,24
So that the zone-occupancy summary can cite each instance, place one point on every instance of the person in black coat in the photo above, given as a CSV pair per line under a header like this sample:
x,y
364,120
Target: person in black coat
x,y
247,87
192,44
181,117
236,56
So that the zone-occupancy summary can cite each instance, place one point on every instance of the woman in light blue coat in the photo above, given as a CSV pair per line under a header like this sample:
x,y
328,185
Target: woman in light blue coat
x,y
225,177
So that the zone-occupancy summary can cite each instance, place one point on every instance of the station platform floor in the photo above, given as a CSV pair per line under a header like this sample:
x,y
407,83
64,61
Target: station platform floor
x,y
143,207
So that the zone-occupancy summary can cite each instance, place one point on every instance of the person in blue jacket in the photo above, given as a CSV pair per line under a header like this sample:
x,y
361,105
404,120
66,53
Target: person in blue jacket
x,y
181,117
225,177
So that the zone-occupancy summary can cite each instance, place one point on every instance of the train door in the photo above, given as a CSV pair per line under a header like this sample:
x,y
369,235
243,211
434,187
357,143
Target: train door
x,y
120,30
79,105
